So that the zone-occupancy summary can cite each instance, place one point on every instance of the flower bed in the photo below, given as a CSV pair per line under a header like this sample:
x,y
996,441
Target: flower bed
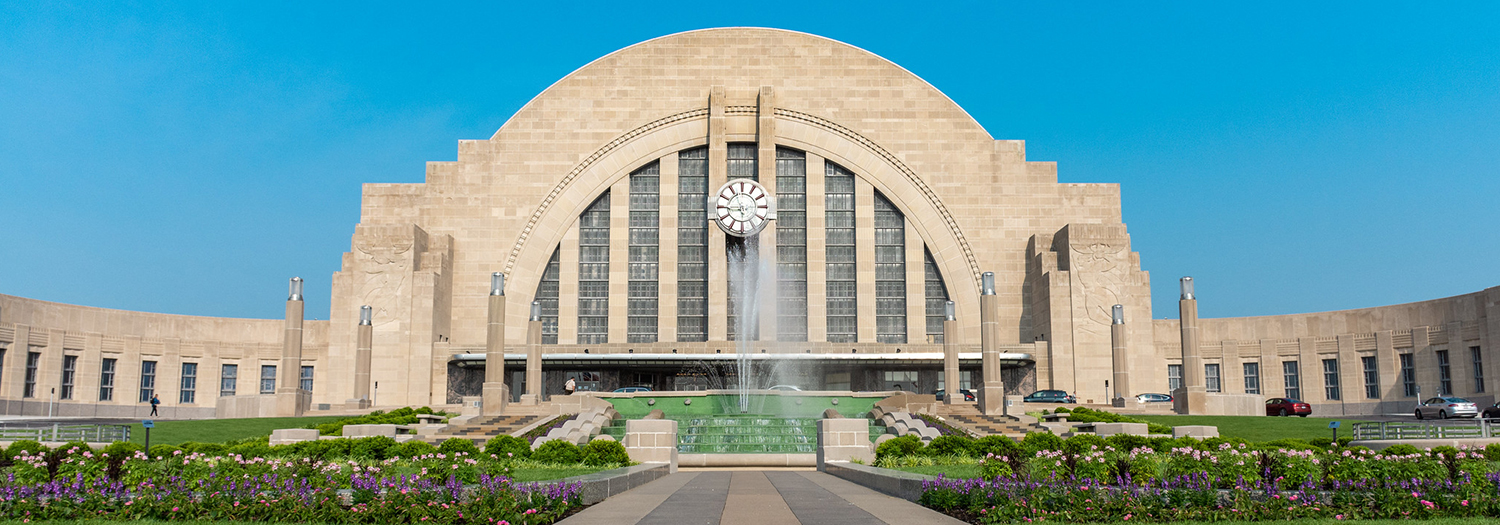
x,y
1087,479
369,480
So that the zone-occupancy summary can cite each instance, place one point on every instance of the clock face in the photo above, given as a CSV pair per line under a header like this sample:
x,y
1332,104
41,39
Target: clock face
x,y
742,207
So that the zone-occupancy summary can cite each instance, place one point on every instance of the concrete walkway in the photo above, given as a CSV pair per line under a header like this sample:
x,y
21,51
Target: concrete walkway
x,y
754,497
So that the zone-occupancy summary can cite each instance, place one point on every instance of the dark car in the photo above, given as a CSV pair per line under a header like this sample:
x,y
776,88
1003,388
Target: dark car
x,y
1283,406
968,394
1050,396
1492,411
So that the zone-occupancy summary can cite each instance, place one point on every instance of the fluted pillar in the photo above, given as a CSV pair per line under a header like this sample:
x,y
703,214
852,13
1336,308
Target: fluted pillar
x,y
992,396
534,384
1193,398
364,340
291,400
951,382
496,395
1120,356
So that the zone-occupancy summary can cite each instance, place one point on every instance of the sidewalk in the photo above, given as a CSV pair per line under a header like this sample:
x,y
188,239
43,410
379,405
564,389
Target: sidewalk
x,y
754,497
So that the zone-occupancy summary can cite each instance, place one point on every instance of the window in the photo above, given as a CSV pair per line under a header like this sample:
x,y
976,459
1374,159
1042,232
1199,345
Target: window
x,y
692,245
836,381
546,294
1445,374
1331,379
1293,381
228,376
901,380
1174,377
33,359
268,379
644,254
743,255
107,380
1478,368
593,273
838,213
1372,377
584,381
791,245
148,380
189,388
1252,378
70,369
937,298
1211,375
2,359
305,380
890,272
1408,376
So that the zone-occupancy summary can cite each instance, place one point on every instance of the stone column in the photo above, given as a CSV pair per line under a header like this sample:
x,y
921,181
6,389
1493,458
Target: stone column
x,y
952,384
289,395
534,385
992,398
1121,358
496,395
1194,398
365,338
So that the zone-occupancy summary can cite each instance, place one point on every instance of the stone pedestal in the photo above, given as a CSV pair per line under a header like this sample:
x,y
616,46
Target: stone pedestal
x,y
365,335
1194,389
653,441
496,394
1121,363
952,383
992,394
292,401
844,440
534,384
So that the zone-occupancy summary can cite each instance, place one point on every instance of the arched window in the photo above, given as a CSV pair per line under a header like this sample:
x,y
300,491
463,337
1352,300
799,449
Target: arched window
x,y
791,245
838,210
593,272
645,220
890,272
692,245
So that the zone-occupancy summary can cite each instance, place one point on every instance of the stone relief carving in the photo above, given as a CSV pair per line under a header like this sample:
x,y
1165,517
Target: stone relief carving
x,y
384,269
1100,271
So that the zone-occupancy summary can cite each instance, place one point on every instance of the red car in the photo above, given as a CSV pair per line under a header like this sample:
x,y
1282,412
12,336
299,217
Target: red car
x,y
1282,406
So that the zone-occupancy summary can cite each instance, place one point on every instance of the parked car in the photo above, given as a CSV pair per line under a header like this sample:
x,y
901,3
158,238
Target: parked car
x,y
1492,411
1153,398
1283,406
786,388
1444,407
630,389
1050,396
968,394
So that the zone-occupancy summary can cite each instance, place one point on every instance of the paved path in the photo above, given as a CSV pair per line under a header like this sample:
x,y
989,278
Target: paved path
x,y
754,497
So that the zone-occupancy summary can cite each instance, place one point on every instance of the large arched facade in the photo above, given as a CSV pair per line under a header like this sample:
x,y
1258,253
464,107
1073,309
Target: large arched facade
x,y
592,200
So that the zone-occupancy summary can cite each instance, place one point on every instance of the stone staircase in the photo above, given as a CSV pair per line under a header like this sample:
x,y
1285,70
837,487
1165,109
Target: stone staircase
x,y
481,429
968,417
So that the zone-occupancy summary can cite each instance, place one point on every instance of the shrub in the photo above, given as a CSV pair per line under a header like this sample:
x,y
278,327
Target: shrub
x,y
1083,444
1127,442
411,449
1323,443
1345,441
951,446
997,445
122,450
1401,449
1492,452
1064,410
209,449
376,447
457,445
163,451
252,449
25,446
507,447
1038,441
902,446
1289,444
557,451
602,452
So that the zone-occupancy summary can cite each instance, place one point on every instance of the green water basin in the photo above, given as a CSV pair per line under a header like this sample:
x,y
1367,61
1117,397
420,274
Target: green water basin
x,y
708,430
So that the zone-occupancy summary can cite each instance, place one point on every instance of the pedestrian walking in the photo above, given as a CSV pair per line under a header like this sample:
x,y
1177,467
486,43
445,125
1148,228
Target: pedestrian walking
x,y
154,401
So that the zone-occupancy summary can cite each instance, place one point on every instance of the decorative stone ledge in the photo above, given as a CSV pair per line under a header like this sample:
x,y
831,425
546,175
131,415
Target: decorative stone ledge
x,y
601,485
894,483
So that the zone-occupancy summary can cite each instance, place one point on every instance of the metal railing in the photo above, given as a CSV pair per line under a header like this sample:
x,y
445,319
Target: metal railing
x,y
63,433
1476,428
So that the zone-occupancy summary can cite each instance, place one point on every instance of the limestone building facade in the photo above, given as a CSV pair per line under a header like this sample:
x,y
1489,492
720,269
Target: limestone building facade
x,y
594,201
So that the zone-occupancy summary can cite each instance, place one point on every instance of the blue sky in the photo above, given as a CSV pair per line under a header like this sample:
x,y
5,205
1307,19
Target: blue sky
x,y
189,158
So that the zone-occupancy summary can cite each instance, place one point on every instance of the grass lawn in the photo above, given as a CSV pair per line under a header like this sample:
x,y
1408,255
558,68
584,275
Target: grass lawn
x,y
950,471
1261,428
541,474
220,430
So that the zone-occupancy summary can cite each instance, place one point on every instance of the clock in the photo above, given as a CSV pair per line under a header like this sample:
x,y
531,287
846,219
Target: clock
x,y
741,207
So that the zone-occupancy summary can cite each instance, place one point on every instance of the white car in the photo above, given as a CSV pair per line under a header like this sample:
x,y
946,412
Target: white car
x,y
785,388
1444,407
